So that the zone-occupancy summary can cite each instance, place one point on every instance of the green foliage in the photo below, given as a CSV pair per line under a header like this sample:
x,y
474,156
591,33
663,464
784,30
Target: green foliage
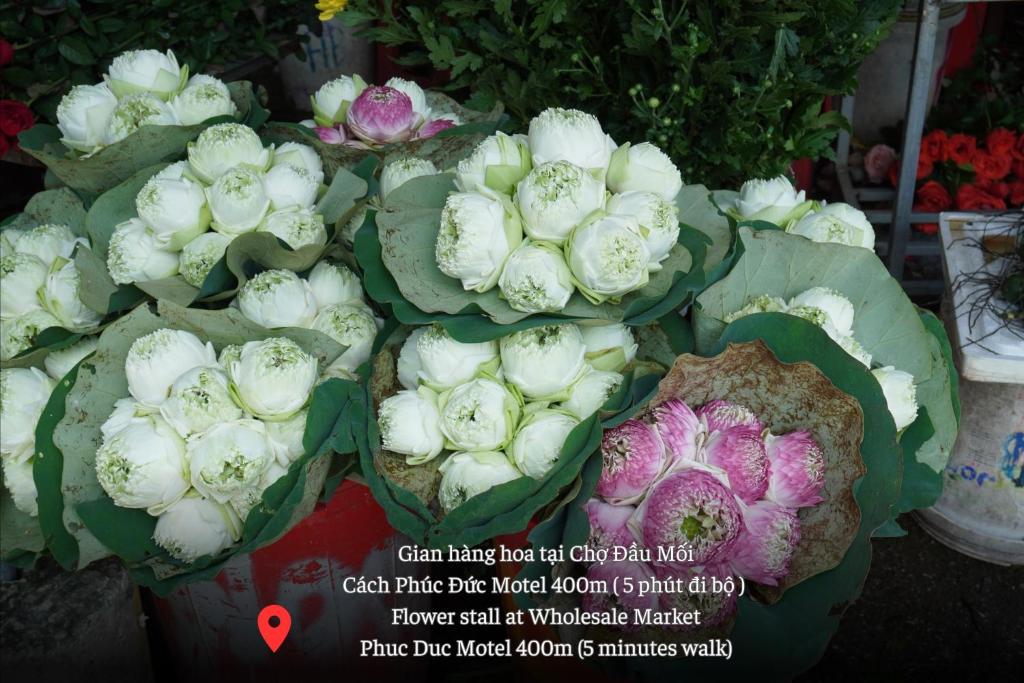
x,y
730,90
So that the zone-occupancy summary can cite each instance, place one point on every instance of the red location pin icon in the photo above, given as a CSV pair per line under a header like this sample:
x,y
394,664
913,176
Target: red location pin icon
x,y
274,622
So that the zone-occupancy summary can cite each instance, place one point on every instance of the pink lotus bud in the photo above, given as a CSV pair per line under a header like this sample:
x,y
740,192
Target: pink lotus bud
x,y
720,415
714,606
626,600
633,458
678,428
766,544
432,128
332,136
740,452
381,115
796,469
690,508
608,525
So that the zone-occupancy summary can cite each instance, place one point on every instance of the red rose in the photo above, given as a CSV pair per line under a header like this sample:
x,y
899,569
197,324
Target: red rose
x,y
1016,193
962,148
993,187
932,197
14,117
973,198
1018,149
1018,168
935,145
1000,142
988,166
6,52
927,228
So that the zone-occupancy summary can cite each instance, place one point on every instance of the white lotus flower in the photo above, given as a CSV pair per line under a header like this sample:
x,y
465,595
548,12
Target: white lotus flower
x,y
244,501
774,200
644,168
22,487
569,135
658,219
173,206
149,71
476,236
60,296
836,306
838,222
61,361
49,242
296,227
854,348
290,186
350,325
536,446
332,100
297,154
19,334
555,197
126,411
543,362
21,278
278,298
273,378
144,465
229,355
480,415
221,147
198,257
135,111
348,232
83,116
195,527
900,394
409,425
609,347
205,97
157,359
465,475
446,363
409,365
399,172
238,201
334,283
9,240
286,436
415,93
198,400
133,255
498,163
590,392
607,257
762,303
229,458
24,393
536,279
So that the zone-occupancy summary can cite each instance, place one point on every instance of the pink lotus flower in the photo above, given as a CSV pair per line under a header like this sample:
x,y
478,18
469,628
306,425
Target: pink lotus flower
x,y
679,429
690,508
332,136
796,469
740,452
381,115
608,525
719,415
634,458
766,544
432,128
877,162
627,601
714,607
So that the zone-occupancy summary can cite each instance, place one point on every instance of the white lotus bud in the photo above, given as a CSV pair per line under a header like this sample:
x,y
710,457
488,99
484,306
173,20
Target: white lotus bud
x,y
49,242
126,411
408,364
836,306
415,93
900,394
554,198
19,334
658,219
244,501
297,154
349,230
399,172
569,135
21,278
838,222
195,527
290,186
296,227
762,303
476,236
350,325
854,348
83,116
774,200
498,163
60,296
465,475
198,400
536,279
221,147
334,283
229,458
607,257
332,100
590,392
480,415
278,298
409,425
143,465
134,256
205,97
446,363
229,355
135,111
286,437
644,168
609,347
8,240
22,487
543,362
199,256
24,393
60,362
157,359
238,201
273,378
149,71
174,208
538,443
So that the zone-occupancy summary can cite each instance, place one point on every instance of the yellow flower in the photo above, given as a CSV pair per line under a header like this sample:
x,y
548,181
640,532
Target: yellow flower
x,y
328,8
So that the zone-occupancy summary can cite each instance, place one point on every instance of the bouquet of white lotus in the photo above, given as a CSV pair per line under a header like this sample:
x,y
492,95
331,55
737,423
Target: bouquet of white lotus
x,y
143,112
